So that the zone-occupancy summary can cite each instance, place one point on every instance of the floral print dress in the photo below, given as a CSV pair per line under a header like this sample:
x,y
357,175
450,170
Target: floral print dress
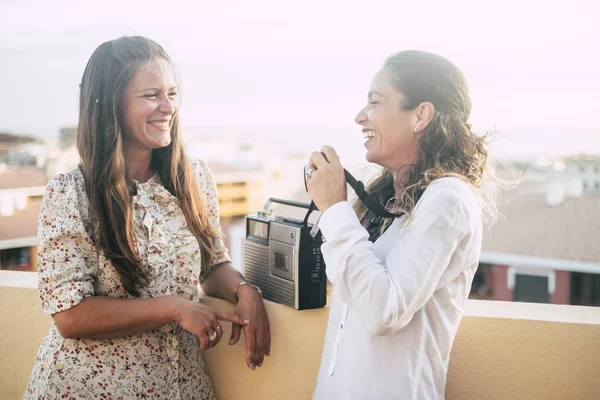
x,y
162,363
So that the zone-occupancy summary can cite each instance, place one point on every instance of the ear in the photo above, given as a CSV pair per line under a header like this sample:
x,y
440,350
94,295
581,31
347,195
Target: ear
x,y
423,116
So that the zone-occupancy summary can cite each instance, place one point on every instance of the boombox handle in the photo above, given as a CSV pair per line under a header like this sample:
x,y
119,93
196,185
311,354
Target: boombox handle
x,y
290,203
310,207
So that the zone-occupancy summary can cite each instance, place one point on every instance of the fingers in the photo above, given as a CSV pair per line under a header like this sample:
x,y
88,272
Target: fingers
x,y
204,342
236,331
219,330
260,350
258,344
331,155
251,359
318,160
236,319
326,157
268,344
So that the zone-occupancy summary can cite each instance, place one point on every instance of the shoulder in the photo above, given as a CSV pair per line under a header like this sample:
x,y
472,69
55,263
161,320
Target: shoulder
x,y
199,167
70,185
450,186
65,200
202,171
204,177
450,195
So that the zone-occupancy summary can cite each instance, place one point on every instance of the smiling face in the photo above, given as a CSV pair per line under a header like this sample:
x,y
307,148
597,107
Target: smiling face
x,y
150,106
391,133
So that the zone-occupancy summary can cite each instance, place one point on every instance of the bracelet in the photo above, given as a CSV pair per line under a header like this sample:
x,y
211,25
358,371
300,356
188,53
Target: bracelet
x,y
243,283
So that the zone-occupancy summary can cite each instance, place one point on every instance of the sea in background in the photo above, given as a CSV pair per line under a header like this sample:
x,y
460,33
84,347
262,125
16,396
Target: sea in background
x,y
348,140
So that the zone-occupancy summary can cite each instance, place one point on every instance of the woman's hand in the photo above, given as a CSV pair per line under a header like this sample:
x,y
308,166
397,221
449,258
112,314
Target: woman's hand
x,y
258,332
202,321
326,182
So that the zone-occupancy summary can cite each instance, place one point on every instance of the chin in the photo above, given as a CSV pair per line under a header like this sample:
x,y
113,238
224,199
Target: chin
x,y
373,159
370,157
159,144
162,142
165,144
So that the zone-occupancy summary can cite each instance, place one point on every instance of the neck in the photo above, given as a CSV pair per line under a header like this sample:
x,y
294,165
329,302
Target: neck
x,y
402,172
403,175
138,163
401,178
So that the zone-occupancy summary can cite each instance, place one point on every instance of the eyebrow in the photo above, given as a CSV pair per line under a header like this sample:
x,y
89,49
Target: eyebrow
x,y
156,89
376,94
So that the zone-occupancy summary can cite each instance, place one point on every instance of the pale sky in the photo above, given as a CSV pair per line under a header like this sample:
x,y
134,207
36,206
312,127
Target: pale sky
x,y
532,66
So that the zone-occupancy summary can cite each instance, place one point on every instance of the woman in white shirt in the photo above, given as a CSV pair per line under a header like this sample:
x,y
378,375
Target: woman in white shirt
x,y
400,286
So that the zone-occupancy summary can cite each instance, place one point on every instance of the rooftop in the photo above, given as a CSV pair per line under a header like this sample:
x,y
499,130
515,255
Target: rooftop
x,y
529,227
22,224
9,138
22,177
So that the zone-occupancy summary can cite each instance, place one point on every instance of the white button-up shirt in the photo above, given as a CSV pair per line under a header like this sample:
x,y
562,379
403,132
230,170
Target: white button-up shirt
x,y
397,303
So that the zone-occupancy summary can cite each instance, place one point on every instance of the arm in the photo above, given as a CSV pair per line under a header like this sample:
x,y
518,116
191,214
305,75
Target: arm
x,y
222,282
101,317
220,279
387,293
68,267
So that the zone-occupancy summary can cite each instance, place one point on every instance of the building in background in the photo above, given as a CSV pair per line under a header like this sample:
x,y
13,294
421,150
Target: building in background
x,y
241,192
585,168
22,188
21,191
67,137
19,150
546,246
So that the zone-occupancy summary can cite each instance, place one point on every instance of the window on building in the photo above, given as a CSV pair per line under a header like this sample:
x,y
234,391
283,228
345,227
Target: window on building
x,y
16,259
482,287
585,289
531,289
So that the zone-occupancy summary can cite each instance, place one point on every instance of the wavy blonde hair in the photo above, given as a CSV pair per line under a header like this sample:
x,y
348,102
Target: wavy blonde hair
x,y
107,75
448,146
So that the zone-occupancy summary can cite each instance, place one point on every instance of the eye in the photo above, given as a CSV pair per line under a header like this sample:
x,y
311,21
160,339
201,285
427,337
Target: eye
x,y
150,96
173,94
373,102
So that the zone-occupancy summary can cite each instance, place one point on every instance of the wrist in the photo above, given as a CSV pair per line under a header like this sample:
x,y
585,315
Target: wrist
x,y
246,290
173,308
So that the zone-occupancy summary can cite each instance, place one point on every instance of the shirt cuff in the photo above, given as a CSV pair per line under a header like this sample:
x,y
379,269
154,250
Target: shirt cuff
x,y
341,229
331,219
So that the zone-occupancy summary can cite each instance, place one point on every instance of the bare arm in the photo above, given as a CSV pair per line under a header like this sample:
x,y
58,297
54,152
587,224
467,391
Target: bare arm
x,y
222,282
101,317
222,279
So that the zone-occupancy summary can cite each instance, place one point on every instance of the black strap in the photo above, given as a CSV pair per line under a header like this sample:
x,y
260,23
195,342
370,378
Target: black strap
x,y
359,189
370,202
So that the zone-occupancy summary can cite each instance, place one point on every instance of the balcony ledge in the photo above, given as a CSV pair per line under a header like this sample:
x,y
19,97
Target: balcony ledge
x,y
503,350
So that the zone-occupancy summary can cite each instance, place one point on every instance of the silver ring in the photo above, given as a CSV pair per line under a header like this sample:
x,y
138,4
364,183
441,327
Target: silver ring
x,y
309,172
213,336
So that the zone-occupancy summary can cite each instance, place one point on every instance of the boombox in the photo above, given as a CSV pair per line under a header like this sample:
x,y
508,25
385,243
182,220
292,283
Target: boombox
x,y
282,256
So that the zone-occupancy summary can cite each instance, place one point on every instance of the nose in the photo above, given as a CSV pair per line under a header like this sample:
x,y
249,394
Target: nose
x,y
168,105
361,117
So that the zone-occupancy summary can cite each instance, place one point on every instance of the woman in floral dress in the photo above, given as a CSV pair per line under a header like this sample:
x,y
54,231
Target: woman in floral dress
x,y
125,239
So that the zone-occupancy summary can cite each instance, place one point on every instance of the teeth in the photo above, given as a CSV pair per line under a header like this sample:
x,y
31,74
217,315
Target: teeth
x,y
369,135
160,124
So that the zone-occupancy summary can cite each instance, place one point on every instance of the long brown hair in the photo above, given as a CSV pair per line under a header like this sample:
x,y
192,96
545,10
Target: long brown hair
x,y
448,146
107,75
